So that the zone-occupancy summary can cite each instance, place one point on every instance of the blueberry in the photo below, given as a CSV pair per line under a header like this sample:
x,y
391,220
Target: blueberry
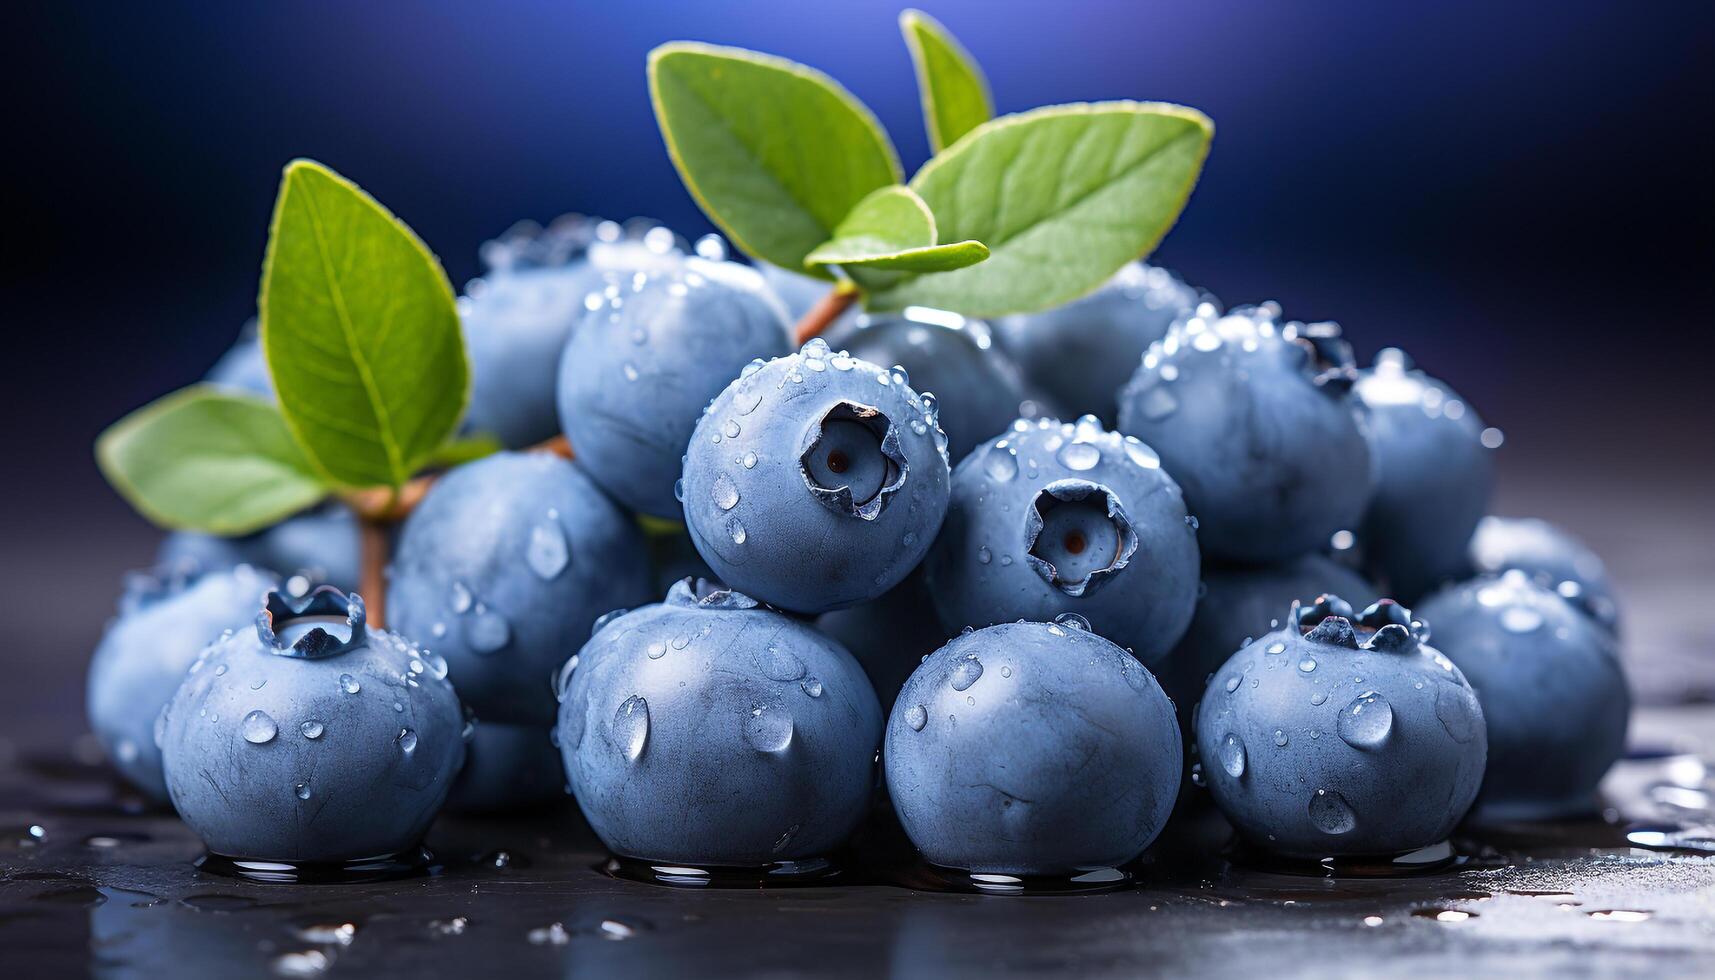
x,y
1552,557
243,367
503,568
1342,735
976,386
518,315
1032,749
163,622
1083,352
1552,689
507,767
1256,421
1434,475
310,737
645,360
709,730
1055,518
796,291
889,635
321,545
815,481
1239,603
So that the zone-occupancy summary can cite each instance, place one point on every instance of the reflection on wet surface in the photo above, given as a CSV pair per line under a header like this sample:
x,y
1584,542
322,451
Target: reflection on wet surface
x,y
90,880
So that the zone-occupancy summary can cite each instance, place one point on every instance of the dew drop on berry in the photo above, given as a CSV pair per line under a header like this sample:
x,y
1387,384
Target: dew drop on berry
x,y
966,672
547,553
1331,814
1232,752
768,729
724,492
1079,456
257,728
348,684
916,716
630,731
1366,722
311,729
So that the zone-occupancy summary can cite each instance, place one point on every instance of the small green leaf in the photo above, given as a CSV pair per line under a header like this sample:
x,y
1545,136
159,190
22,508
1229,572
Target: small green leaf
x,y
360,330
893,229
455,452
1063,196
954,92
774,152
208,459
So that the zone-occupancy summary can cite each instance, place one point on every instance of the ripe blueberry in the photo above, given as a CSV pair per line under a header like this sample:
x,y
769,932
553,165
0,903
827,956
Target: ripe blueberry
x,y
1032,749
815,481
1550,556
320,545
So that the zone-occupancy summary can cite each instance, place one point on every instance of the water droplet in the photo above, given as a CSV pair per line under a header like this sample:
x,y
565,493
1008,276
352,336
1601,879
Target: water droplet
x,y
769,729
984,555
1141,454
1232,683
724,492
1520,619
1319,697
1307,665
748,461
258,728
487,632
547,553
631,727
218,671
1453,710
1232,753
1280,737
1079,456
1367,721
302,790
311,729
656,650
730,429
966,672
1001,463
407,741
1158,403
460,599
1275,648
736,529
916,716
812,687
1005,671
553,934
780,664
1331,814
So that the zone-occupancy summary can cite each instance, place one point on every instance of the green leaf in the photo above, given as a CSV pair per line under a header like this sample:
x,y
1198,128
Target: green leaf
x,y
954,92
208,459
893,229
455,452
776,153
360,331
1063,196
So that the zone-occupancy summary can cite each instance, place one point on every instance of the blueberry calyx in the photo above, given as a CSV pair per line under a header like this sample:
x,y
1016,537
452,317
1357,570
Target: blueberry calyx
x,y
1047,553
707,594
852,461
1386,625
324,603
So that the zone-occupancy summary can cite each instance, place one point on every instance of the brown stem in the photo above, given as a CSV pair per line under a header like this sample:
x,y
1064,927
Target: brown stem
x,y
825,312
378,508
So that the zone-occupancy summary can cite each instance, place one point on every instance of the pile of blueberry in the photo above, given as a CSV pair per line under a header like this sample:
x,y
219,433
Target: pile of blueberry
x,y
776,584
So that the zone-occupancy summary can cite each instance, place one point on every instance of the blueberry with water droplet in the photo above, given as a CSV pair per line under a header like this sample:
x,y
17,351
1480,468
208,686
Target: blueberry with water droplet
x,y
1099,534
360,782
1264,434
1081,353
517,554
165,620
320,545
1064,756
1434,476
1553,690
1553,558
761,720
846,494
1379,770
702,322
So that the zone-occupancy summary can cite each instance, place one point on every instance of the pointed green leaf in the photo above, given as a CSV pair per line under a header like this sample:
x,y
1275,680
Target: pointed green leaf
x,y
360,331
774,152
1063,196
456,452
954,92
893,229
208,459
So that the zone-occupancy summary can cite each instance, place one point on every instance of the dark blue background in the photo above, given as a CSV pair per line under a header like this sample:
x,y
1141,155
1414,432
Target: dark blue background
x,y
1519,193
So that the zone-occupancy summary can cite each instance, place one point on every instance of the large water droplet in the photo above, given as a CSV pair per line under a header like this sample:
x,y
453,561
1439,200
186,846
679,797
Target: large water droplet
x,y
460,599
1453,707
966,672
812,686
724,492
781,664
1232,753
1158,403
1366,722
487,632
547,553
302,790
1001,463
257,728
1079,456
631,727
348,684
768,729
1520,619
311,729
916,716
1141,454
407,741
1330,812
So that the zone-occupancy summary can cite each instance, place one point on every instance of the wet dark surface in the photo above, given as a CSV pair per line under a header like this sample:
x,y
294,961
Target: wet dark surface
x,y
91,881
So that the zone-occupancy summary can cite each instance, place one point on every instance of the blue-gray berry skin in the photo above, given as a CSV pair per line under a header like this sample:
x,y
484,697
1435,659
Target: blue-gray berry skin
x,y
644,362
1255,419
1552,689
506,768
976,385
1551,557
163,623
1434,476
309,737
709,730
815,481
889,635
1032,749
518,316
1342,735
503,568
320,544
1055,518
1083,352
1239,603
